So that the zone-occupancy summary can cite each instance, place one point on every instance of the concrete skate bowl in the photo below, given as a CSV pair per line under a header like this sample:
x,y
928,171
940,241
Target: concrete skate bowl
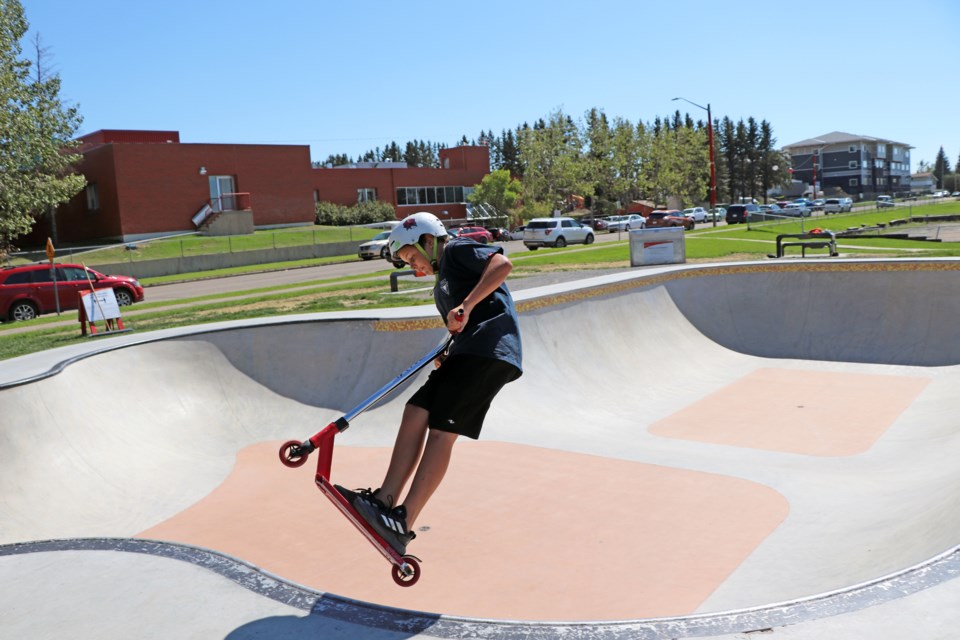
x,y
691,451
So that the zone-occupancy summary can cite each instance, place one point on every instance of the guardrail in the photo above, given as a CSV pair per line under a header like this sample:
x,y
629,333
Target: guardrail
x,y
230,202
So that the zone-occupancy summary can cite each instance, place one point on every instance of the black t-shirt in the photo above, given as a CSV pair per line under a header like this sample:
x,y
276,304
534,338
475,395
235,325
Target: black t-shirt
x,y
493,330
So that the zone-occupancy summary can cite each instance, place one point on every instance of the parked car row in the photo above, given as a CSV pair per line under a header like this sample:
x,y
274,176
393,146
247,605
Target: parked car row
x,y
554,232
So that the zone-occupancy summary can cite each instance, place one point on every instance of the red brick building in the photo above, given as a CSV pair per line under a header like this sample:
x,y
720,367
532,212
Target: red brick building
x,y
440,191
143,184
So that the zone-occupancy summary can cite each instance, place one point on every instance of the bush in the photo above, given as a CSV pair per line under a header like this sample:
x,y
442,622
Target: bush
x,y
374,211
331,214
338,215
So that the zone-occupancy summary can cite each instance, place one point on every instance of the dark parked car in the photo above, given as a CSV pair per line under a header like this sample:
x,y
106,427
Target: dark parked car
x,y
479,234
737,213
28,291
498,233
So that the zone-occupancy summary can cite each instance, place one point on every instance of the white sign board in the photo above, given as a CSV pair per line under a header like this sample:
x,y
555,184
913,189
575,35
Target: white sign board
x,y
660,245
100,305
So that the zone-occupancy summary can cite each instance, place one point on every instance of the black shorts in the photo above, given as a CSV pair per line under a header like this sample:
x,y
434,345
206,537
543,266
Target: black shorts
x,y
458,394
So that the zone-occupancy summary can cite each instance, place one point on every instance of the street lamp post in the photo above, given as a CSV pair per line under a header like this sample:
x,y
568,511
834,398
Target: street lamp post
x,y
713,166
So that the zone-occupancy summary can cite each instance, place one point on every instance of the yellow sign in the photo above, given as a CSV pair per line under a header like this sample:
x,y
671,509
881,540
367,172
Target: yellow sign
x,y
50,250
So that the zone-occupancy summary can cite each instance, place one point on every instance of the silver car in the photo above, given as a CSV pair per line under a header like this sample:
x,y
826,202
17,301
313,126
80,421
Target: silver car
x,y
626,222
699,214
555,232
376,247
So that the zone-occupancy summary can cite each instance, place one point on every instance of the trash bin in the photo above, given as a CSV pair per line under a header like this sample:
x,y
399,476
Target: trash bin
x,y
663,245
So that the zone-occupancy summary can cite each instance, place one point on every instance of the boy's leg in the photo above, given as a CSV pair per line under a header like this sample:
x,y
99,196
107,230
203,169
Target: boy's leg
x,y
406,453
433,466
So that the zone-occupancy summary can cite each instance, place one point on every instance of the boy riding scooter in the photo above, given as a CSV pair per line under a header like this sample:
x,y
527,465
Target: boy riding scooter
x,y
474,302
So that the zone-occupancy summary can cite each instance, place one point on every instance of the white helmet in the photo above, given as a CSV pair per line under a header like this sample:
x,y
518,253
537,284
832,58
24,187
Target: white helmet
x,y
412,227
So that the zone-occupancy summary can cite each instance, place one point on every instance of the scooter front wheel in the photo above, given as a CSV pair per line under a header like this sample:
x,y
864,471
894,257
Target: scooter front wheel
x,y
291,454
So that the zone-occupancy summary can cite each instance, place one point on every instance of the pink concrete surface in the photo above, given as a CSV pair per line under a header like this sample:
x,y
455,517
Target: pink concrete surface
x,y
818,413
515,532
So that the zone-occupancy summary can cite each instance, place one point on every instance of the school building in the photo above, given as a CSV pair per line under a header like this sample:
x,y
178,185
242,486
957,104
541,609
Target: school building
x,y
144,184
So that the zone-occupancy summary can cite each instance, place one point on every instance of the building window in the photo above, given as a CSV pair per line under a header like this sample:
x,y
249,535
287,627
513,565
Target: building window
x,y
854,182
852,164
431,195
852,148
316,195
93,197
366,195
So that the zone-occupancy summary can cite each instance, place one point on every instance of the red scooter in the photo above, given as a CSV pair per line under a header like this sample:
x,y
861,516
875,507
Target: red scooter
x,y
405,569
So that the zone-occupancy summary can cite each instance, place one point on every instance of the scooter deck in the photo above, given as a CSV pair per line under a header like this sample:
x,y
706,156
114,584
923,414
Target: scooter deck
x,y
402,563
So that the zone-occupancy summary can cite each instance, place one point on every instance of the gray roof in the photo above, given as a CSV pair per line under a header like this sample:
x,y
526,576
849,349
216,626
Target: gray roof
x,y
840,137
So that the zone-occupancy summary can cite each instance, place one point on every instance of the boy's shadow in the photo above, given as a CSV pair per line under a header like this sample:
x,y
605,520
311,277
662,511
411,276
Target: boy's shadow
x,y
334,619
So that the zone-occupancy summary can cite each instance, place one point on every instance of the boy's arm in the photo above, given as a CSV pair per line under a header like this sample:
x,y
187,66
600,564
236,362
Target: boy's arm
x,y
494,274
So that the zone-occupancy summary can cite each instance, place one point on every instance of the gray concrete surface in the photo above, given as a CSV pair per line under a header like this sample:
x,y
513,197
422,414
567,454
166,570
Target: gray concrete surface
x,y
106,439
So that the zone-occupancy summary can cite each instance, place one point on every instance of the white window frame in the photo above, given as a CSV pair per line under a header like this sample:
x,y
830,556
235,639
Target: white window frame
x,y
854,182
852,164
365,194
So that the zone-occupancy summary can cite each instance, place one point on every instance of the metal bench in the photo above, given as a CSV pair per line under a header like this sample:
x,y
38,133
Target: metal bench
x,y
822,240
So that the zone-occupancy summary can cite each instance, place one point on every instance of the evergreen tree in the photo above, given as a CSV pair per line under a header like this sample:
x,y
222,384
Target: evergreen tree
x,y
511,154
941,166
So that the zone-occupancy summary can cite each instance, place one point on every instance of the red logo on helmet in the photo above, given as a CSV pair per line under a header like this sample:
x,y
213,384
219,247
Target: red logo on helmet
x,y
409,223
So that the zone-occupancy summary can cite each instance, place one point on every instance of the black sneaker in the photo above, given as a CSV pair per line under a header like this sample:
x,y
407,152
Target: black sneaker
x,y
361,495
391,524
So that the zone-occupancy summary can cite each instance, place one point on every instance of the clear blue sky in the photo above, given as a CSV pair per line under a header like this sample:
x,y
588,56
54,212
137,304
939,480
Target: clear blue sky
x,y
347,76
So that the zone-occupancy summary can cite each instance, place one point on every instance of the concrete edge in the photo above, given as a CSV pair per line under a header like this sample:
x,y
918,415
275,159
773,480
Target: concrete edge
x,y
37,366
927,574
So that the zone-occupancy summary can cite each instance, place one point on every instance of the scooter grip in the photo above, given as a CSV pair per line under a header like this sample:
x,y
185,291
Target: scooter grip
x,y
459,317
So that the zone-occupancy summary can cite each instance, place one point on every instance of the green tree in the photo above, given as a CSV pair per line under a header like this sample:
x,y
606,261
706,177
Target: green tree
x,y
497,189
678,163
600,164
552,156
510,154
630,146
941,167
36,134
774,164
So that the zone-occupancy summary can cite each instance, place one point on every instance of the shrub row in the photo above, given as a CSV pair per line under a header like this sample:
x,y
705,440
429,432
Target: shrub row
x,y
331,214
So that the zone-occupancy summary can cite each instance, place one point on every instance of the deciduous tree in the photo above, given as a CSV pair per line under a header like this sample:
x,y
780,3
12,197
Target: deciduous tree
x,y
497,189
36,133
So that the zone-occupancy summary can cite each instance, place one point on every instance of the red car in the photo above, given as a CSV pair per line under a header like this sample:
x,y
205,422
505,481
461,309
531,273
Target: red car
x,y
28,291
479,234
669,218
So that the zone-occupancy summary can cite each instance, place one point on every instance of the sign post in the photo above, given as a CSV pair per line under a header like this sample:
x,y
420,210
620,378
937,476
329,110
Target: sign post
x,y
51,254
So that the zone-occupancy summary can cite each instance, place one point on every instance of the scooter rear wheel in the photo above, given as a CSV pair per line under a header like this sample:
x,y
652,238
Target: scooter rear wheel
x,y
407,579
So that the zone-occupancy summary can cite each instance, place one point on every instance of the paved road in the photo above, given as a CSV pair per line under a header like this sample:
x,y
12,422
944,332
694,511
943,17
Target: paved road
x,y
197,288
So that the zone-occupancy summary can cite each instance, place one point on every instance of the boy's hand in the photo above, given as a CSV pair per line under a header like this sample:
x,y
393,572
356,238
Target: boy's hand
x,y
457,319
